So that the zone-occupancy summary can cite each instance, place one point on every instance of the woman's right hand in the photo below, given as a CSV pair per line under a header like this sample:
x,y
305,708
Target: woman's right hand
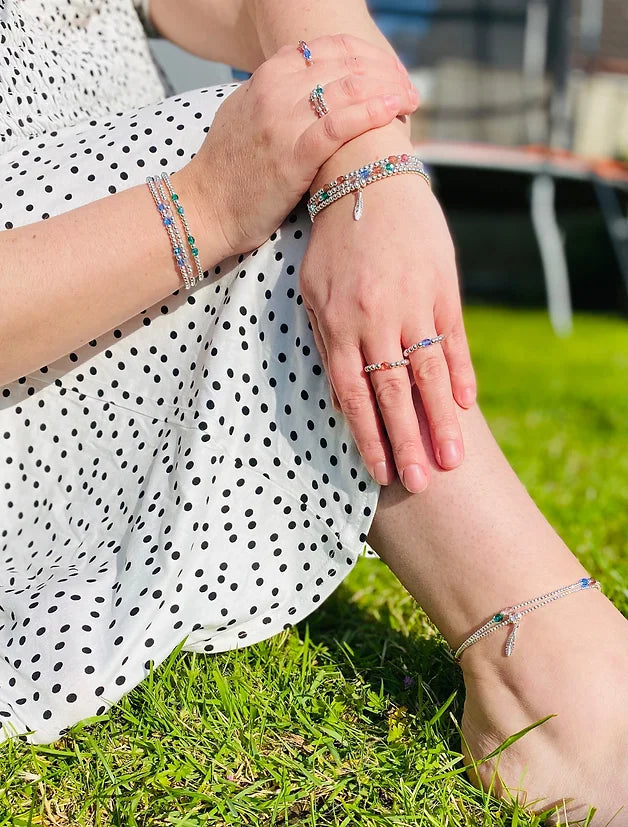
x,y
266,142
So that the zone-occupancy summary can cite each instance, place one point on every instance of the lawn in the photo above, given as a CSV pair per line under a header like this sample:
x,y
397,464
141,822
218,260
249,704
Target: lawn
x,y
350,718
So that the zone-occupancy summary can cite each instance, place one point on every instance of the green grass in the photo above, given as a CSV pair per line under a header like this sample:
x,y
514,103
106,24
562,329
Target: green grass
x,y
351,717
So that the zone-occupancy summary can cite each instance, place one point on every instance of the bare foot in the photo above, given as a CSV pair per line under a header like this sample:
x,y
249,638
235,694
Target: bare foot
x,y
570,660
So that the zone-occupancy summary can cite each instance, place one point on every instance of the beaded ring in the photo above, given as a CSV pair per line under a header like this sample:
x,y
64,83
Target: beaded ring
x,y
423,343
317,100
386,365
305,51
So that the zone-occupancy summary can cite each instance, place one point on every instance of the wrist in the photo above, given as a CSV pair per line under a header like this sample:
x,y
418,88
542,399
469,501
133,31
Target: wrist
x,y
196,194
378,143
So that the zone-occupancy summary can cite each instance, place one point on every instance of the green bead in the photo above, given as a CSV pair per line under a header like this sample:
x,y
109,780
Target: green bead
x,y
390,167
175,197
498,617
324,196
191,239
180,210
194,251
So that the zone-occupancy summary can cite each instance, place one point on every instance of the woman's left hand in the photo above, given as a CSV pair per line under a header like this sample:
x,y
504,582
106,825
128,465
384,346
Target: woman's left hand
x,y
372,288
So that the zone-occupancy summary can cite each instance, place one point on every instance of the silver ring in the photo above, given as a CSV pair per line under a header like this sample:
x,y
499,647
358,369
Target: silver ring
x,y
386,365
305,51
317,99
423,343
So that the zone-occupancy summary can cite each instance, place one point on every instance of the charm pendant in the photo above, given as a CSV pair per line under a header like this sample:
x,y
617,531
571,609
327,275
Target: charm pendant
x,y
359,205
510,643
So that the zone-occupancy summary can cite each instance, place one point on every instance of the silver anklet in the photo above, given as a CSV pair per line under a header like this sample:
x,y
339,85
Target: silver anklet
x,y
512,615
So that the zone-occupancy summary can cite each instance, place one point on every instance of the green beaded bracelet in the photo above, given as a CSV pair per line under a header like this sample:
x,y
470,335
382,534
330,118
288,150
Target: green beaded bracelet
x,y
181,213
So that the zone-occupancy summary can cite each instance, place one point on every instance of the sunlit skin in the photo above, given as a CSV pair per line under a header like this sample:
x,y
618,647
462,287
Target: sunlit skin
x,y
473,543
453,521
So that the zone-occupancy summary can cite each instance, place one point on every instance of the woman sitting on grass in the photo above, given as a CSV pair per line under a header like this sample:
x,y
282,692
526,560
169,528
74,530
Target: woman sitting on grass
x,y
213,397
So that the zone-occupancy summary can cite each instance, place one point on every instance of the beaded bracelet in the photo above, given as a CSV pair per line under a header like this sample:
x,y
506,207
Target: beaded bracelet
x,y
513,614
169,222
175,228
181,212
170,225
362,177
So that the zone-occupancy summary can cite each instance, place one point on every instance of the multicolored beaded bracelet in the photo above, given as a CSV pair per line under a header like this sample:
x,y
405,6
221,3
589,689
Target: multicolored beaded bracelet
x,y
362,177
513,614
171,228
181,212
175,228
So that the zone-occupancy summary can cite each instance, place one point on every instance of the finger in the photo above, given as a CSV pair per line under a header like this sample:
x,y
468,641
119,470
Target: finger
x,y
340,47
320,345
358,404
393,393
431,375
331,70
456,350
326,135
352,89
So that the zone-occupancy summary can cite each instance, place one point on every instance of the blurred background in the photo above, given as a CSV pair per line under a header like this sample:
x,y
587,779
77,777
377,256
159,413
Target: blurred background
x,y
524,126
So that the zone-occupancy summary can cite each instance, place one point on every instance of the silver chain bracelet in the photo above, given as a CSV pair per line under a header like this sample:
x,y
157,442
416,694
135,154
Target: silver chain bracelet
x,y
512,615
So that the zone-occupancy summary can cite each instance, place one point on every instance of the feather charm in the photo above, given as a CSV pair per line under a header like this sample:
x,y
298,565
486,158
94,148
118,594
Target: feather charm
x,y
359,205
510,643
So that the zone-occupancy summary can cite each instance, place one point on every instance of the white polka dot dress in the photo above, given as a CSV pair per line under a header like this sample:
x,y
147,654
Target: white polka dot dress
x,y
183,477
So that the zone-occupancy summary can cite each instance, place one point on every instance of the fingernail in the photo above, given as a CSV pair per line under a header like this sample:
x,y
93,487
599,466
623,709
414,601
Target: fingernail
x,y
380,473
392,101
414,479
467,396
450,453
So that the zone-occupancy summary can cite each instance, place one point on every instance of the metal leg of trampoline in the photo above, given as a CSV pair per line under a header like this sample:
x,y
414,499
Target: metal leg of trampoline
x,y
552,254
616,224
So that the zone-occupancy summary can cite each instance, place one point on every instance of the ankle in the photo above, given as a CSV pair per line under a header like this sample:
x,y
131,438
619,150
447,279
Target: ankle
x,y
575,628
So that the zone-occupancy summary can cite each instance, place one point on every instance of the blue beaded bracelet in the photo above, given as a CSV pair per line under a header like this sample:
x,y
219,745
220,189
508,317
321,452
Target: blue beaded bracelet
x,y
181,213
169,223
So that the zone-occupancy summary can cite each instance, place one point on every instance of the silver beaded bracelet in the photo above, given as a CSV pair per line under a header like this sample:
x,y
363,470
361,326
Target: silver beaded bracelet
x,y
173,233
512,615
181,213
356,180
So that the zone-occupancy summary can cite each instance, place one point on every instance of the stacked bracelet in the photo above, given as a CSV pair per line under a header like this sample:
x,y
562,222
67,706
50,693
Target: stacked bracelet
x,y
356,180
181,212
162,200
512,615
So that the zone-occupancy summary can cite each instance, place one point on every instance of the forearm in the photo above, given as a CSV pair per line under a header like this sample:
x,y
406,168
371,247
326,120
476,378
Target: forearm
x,y
278,23
220,30
73,277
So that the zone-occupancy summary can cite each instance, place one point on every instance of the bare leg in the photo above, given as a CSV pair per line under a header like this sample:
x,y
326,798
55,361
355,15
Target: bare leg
x,y
475,542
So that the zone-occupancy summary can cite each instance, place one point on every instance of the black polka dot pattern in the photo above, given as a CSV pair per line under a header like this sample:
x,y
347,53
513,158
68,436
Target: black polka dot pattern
x,y
183,476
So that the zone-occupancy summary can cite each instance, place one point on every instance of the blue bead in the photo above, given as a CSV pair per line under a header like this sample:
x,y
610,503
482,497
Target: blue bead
x,y
161,207
167,221
180,261
307,54
426,342
584,582
178,251
364,173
